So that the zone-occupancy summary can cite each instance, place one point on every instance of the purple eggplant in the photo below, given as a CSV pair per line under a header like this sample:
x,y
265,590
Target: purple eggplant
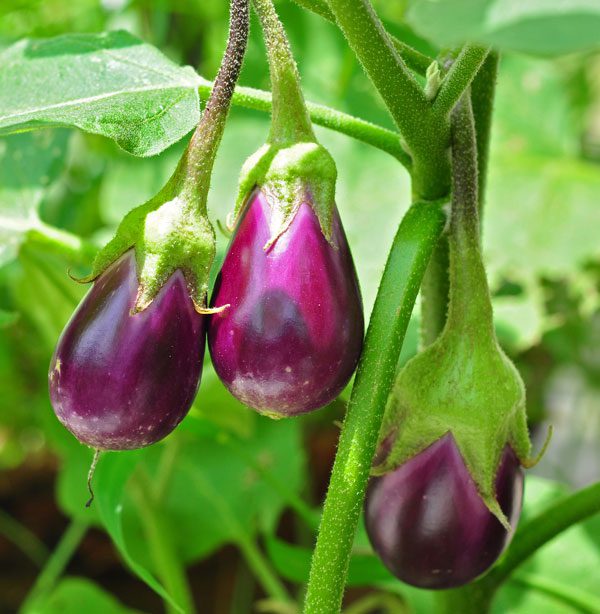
x,y
428,523
121,380
292,336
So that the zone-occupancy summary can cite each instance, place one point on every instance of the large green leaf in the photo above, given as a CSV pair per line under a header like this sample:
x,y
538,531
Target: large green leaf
x,y
111,84
28,165
549,27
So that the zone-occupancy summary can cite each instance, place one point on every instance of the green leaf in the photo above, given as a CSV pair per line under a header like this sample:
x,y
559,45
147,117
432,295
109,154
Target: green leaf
x,y
76,595
111,84
548,27
218,493
28,165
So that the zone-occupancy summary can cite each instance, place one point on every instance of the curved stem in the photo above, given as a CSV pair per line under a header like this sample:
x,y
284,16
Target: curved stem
x,y
398,88
359,129
290,120
459,77
415,60
27,541
56,564
399,286
197,163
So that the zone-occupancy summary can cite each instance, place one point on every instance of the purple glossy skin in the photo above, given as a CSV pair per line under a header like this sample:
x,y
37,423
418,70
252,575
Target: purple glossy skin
x,y
120,381
428,524
292,336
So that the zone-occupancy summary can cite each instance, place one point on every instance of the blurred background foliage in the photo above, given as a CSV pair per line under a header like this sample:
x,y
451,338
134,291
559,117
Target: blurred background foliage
x,y
234,496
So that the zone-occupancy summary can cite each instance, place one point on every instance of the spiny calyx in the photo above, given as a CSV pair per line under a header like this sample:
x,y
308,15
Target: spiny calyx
x,y
289,175
170,232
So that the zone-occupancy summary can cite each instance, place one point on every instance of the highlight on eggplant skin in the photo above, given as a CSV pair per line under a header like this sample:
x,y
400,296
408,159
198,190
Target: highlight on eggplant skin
x,y
119,380
428,524
292,336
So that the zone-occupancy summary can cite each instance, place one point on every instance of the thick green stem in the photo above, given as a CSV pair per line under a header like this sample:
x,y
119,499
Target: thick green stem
x,y
389,74
415,60
290,121
195,167
410,252
462,72
56,564
483,89
359,129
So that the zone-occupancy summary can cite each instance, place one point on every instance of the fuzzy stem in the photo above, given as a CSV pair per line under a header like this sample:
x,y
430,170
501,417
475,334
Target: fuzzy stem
x,y
400,91
482,97
354,127
469,308
290,121
197,163
459,77
397,292
415,60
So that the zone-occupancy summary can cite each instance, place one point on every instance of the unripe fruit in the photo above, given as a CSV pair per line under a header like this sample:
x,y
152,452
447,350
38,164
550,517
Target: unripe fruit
x,y
121,380
292,336
428,523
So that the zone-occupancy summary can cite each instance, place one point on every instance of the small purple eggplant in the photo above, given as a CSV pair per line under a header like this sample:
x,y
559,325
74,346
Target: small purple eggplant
x,y
121,380
293,333
428,523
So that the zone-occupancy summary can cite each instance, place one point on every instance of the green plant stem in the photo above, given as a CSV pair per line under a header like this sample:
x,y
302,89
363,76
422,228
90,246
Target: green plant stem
x,y
354,127
197,163
398,88
166,560
63,243
56,564
262,570
23,538
290,121
407,260
415,60
462,72
483,90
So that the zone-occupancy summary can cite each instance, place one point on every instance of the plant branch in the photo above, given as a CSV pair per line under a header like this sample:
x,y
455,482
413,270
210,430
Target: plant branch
x,y
415,60
407,260
483,90
56,564
62,243
398,88
27,541
359,129
290,120
199,158
459,77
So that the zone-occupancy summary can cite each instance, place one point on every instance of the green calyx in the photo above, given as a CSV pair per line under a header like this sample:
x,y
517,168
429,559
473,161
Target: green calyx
x,y
463,383
289,175
168,233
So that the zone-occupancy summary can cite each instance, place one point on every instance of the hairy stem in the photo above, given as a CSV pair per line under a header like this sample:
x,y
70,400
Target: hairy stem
x,y
399,286
483,89
198,161
389,74
459,77
359,129
415,60
290,119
